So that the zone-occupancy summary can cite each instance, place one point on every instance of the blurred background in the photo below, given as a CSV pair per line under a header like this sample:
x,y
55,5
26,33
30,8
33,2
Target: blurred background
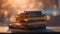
x,y
10,8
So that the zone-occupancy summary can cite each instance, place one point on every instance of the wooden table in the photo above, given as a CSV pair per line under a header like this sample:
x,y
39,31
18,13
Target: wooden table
x,y
48,29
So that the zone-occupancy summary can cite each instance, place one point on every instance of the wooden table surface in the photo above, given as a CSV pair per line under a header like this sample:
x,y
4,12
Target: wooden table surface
x,y
48,29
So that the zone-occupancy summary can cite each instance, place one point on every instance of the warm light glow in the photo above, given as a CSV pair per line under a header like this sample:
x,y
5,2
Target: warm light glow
x,y
17,24
21,3
55,13
48,17
26,20
12,18
4,29
40,4
4,5
5,13
20,11
10,1
31,5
